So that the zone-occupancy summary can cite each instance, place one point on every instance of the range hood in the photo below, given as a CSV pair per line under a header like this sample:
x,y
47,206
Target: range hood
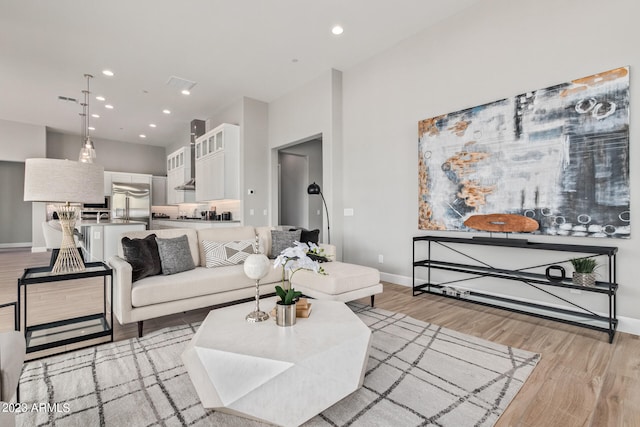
x,y
187,186
197,130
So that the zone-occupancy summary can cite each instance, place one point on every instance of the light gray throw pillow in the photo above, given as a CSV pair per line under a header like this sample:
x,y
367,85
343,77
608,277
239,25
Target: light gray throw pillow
x,y
175,255
281,240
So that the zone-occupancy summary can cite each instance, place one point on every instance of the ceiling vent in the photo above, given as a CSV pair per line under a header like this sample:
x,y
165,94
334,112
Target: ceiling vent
x,y
67,99
180,83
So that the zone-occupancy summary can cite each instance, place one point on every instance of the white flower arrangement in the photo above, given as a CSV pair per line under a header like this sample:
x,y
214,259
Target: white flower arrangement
x,y
296,258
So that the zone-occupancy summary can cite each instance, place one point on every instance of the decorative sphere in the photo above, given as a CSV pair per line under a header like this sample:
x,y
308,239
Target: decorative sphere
x,y
256,266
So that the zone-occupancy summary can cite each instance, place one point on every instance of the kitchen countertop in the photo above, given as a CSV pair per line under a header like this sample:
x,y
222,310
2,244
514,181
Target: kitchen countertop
x,y
198,224
107,222
198,221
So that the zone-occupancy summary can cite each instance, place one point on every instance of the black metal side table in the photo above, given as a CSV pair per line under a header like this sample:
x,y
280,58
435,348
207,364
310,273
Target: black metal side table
x,y
16,320
68,331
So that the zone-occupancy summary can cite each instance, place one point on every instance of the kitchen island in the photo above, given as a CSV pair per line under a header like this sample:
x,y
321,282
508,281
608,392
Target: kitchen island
x,y
198,224
101,239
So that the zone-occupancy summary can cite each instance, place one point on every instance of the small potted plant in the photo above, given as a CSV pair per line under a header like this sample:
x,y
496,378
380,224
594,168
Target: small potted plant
x,y
286,307
584,273
291,260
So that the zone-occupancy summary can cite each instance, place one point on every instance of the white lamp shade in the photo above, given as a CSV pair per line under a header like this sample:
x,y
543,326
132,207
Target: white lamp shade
x,y
61,181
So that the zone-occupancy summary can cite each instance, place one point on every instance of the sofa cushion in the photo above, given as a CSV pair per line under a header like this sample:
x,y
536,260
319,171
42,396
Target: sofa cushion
x,y
143,256
218,254
194,283
281,240
341,277
175,255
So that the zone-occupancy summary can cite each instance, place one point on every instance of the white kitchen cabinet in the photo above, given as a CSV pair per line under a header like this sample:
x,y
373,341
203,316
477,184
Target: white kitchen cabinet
x,y
218,164
159,190
138,178
179,172
107,183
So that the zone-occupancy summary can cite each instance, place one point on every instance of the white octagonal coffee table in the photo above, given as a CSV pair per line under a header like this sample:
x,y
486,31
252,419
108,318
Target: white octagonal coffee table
x,y
281,375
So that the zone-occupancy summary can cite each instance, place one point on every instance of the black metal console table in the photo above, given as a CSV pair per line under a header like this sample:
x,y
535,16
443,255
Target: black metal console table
x,y
68,331
474,268
16,321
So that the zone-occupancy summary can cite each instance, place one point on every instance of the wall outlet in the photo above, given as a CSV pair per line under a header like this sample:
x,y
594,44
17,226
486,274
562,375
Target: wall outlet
x,y
250,211
318,212
348,212
264,212
380,259
96,235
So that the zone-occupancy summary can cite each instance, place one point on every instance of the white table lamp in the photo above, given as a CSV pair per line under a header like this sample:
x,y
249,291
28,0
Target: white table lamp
x,y
64,182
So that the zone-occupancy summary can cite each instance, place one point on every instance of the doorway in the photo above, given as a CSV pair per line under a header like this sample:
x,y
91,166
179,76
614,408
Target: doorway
x,y
299,165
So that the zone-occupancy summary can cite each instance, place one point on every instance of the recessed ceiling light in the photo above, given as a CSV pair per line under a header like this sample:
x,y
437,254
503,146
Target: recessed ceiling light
x,y
108,73
101,98
337,30
96,116
165,111
92,128
109,106
142,135
185,92
152,125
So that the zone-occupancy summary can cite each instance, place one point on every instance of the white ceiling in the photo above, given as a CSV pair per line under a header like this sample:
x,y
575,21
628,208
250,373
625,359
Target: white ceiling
x,y
231,48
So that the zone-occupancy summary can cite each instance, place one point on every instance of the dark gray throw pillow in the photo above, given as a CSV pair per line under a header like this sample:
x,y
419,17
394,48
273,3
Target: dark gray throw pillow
x,y
143,256
175,255
307,236
281,240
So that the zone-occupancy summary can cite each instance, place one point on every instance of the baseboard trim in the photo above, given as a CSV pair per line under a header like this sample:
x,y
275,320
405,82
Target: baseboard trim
x,y
15,245
38,249
396,279
626,324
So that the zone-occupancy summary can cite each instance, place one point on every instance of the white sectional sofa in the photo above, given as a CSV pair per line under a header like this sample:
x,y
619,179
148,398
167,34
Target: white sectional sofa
x,y
161,295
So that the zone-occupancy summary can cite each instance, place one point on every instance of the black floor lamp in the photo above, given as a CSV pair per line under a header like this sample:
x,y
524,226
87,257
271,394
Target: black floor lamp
x,y
315,189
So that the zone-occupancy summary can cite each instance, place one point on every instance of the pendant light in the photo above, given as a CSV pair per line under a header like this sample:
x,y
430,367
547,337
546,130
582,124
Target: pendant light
x,y
87,152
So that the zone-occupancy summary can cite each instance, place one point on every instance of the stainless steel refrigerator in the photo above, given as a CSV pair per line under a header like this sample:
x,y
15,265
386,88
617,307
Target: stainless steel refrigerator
x,y
131,202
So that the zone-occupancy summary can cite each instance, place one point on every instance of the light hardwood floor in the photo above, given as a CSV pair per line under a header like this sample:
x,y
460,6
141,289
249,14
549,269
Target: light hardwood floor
x,y
581,379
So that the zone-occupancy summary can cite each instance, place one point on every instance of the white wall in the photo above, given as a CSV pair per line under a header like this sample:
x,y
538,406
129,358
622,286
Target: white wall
x,y
293,207
254,168
20,141
312,150
15,213
115,156
496,49
314,109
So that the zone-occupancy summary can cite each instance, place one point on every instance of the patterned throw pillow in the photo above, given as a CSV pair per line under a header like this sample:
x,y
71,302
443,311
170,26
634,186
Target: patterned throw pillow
x,y
175,255
281,240
219,254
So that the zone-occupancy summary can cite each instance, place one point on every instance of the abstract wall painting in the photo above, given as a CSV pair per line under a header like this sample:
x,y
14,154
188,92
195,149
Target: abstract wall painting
x,y
559,155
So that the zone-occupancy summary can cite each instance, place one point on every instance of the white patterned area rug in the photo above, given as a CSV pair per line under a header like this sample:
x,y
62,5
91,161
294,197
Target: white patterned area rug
x,y
418,374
